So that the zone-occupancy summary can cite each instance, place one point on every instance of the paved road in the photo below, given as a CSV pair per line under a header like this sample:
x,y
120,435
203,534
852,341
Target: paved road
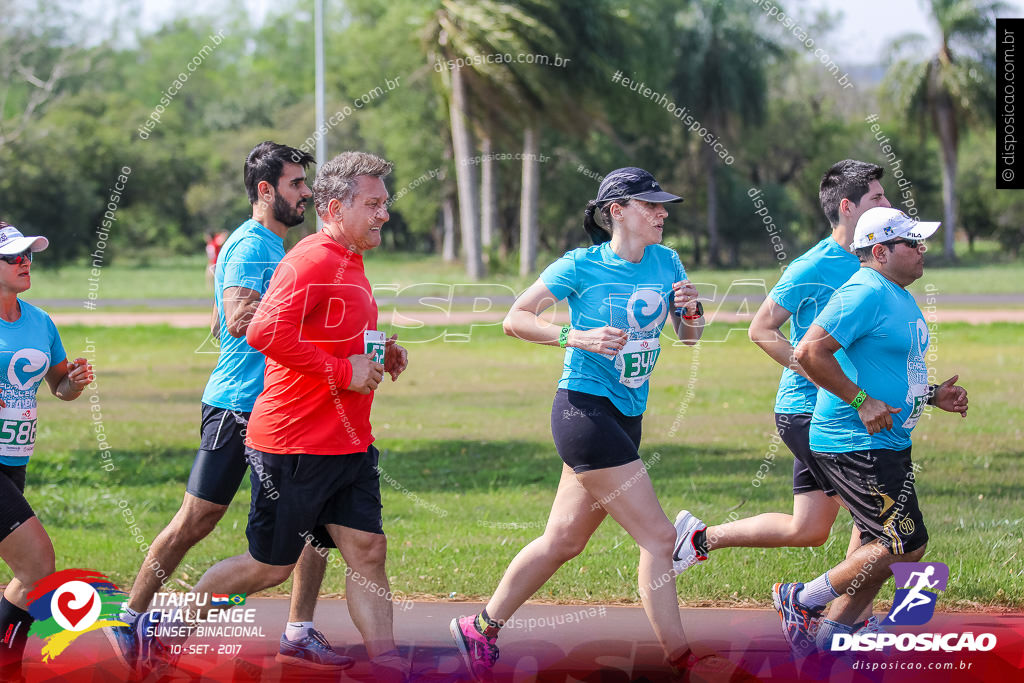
x,y
503,302
409,318
550,643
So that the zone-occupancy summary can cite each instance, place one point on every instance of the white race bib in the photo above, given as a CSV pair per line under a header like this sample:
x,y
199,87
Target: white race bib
x,y
17,432
373,342
919,394
635,362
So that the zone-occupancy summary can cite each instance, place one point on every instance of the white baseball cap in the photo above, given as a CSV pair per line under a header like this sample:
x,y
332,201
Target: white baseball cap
x,y
13,242
881,224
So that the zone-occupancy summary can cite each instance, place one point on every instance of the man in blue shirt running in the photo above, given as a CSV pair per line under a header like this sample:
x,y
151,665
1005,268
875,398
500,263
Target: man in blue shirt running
x,y
871,397
275,180
847,190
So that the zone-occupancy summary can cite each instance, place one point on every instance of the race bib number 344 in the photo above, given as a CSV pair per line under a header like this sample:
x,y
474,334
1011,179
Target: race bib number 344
x,y
636,361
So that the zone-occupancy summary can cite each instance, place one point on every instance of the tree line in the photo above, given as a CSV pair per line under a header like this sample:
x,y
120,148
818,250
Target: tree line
x,y
501,118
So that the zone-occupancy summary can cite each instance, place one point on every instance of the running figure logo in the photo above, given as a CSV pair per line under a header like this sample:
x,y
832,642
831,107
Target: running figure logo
x,y
914,603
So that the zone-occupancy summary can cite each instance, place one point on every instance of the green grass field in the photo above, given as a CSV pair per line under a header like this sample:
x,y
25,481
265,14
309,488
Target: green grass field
x,y
422,275
466,446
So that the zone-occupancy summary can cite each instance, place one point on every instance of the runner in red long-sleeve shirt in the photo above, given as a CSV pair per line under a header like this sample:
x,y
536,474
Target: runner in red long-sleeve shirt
x,y
309,439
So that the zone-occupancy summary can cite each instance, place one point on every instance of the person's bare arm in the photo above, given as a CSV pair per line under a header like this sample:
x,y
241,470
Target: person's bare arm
x,y
766,331
523,322
240,304
816,354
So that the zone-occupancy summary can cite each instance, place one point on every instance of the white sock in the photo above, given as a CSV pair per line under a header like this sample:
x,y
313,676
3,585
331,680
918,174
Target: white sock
x,y
817,593
297,630
128,615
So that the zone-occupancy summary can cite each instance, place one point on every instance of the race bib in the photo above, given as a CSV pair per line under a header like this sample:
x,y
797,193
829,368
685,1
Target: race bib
x,y
373,343
919,394
635,362
17,432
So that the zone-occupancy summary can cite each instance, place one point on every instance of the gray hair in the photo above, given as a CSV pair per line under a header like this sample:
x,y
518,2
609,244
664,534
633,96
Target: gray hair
x,y
337,178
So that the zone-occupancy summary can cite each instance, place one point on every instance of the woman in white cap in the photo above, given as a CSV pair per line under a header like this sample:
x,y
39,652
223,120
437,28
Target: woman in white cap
x,y
620,293
30,351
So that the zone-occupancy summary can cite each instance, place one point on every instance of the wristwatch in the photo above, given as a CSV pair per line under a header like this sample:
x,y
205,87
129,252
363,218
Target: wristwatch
x,y
700,312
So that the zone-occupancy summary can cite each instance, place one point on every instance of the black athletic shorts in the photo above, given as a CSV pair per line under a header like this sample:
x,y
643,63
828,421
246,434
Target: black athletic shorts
x,y
591,433
878,487
220,462
795,431
14,509
293,494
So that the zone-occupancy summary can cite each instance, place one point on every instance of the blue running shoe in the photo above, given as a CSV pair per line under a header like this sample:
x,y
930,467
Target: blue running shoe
x,y
124,643
313,652
798,621
153,655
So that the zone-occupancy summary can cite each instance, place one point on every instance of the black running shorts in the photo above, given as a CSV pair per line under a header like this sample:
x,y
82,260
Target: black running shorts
x,y
591,433
878,487
293,494
14,509
795,431
220,462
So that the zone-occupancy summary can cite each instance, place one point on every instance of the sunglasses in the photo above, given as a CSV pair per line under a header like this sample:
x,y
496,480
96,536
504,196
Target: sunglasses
x,y
18,259
913,244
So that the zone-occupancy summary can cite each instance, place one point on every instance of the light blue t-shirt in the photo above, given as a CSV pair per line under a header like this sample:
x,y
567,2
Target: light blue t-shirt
x,y
248,259
804,288
29,347
602,289
885,337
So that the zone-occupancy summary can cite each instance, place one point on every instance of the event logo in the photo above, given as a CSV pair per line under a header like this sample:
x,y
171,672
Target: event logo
x,y
914,603
27,368
71,602
917,586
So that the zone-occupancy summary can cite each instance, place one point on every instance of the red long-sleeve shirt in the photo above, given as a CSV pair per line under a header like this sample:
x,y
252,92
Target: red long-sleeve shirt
x,y
310,321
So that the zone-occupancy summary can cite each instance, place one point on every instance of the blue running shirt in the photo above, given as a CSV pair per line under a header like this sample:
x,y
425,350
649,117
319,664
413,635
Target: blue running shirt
x,y
248,259
885,337
604,289
804,288
29,347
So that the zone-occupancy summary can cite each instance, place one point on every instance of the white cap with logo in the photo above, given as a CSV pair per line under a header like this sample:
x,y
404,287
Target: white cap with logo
x,y
13,242
881,224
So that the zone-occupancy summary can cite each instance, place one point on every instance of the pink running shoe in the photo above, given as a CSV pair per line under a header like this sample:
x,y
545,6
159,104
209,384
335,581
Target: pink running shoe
x,y
478,651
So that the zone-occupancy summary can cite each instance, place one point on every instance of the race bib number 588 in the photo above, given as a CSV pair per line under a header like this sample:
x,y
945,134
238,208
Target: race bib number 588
x,y
17,431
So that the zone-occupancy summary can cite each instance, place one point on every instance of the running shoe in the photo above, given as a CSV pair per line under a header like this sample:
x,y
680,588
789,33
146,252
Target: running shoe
x,y
685,555
797,619
390,667
869,625
313,651
125,644
153,656
478,651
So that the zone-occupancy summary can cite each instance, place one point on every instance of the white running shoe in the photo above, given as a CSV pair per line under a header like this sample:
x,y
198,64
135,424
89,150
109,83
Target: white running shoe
x,y
685,555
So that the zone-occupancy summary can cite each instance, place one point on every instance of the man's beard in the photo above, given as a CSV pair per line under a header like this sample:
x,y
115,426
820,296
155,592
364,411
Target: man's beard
x,y
286,213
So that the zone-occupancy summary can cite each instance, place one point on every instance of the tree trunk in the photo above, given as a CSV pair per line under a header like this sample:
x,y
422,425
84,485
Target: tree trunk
x,y
528,206
945,128
465,176
448,233
488,193
710,164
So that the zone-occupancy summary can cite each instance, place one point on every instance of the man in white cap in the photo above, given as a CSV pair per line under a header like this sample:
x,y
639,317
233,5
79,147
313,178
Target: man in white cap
x,y
871,396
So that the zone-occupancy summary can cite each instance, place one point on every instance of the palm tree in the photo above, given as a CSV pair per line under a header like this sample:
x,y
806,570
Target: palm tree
x,y
952,88
723,75
455,33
